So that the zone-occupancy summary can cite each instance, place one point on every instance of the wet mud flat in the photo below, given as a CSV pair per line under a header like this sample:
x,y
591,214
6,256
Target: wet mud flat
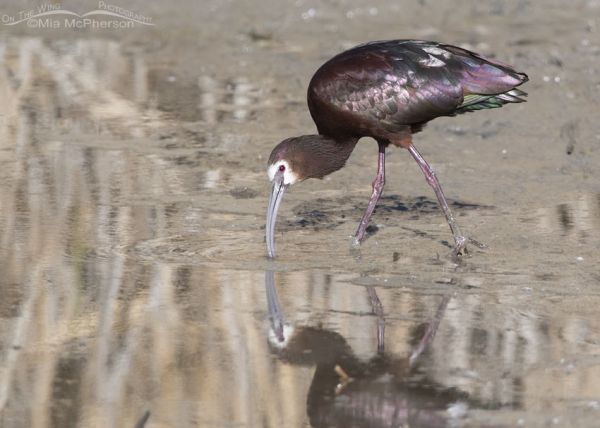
x,y
135,287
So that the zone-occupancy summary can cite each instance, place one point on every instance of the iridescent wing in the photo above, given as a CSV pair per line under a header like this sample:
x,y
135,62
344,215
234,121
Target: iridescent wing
x,y
394,84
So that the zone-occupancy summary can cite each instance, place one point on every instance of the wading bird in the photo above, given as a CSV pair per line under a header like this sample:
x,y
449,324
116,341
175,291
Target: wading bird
x,y
387,90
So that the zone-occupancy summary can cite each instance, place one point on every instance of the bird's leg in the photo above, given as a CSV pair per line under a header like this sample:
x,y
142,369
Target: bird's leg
x,y
460,241
378,184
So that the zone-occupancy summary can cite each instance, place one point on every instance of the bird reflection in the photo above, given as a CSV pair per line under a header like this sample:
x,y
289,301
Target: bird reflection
x,y
386,391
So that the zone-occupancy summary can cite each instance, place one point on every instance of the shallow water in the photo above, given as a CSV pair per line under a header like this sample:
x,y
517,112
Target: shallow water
x,y
135,287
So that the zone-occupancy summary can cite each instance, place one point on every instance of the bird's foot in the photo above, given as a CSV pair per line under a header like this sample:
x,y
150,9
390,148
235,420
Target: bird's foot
x,y
355,248
460,246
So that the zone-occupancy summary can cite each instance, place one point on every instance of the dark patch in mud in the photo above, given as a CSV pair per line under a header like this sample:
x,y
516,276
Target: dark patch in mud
x,y
568,134
329,213
421,205
314,218
565,216
243,193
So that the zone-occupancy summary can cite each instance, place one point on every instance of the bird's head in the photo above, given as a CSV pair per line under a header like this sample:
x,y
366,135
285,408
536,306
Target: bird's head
x,y
296,159
283,171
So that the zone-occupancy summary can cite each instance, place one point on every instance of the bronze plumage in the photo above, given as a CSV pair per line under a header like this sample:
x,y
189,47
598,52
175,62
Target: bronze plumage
x,y
387,90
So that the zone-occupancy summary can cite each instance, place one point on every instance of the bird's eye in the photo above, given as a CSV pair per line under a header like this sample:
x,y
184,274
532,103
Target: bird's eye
x,y
281,168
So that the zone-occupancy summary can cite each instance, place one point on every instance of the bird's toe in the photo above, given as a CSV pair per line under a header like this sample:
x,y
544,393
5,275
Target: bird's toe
x,y
461,248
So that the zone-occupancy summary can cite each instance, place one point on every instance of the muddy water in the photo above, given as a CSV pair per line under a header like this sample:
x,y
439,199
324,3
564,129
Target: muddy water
x,y
134,284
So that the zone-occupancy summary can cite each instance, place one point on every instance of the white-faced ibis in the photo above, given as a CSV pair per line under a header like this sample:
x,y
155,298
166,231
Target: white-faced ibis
x,y
387,90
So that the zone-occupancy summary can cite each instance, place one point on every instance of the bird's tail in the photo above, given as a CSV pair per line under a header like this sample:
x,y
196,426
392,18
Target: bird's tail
x,y
473,102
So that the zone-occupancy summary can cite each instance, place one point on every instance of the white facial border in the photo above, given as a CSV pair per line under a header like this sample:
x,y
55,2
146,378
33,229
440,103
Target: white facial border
x,y
289,177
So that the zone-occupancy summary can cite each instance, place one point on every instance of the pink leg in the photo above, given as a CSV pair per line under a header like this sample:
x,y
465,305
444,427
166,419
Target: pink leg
x,y
378,184
460,241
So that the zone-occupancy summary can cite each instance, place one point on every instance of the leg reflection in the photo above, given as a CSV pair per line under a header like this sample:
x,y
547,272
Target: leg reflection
x,y
377,308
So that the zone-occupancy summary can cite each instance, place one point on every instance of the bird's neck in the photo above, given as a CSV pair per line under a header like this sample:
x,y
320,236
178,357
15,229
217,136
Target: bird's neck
x,y
328,154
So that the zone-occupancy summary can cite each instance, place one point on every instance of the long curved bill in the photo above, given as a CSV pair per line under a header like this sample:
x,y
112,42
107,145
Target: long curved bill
x,y
274,200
